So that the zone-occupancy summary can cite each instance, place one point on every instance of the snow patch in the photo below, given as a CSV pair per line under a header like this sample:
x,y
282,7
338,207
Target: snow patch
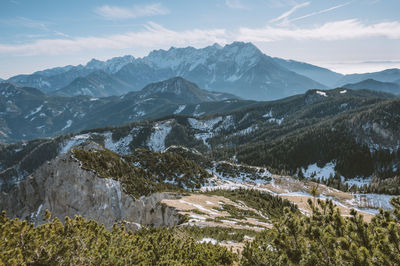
x,y
208,240
322,93
343,91
69,123
74,141
37,110
121,146
157,137
205,125
322,173
179,109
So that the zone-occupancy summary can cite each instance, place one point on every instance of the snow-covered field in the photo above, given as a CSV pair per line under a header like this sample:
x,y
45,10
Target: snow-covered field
x,y
319,172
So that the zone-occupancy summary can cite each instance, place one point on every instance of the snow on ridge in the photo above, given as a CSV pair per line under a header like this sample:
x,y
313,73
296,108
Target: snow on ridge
x,y
205,125
343,91
322,93
180,109
157,138
72,142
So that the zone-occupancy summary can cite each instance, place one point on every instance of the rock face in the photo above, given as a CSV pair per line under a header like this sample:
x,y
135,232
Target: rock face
x,y
65,189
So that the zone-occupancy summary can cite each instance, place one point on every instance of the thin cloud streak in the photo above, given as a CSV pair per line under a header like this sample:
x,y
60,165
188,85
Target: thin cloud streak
x,y
136,11
285,15
319,12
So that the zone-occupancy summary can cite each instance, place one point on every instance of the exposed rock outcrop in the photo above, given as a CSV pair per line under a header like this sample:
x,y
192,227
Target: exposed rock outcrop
x,y
65,189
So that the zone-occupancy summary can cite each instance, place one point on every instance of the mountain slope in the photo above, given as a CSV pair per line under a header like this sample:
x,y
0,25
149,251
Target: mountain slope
x,y
319,74
388,75
354,131
371,84
27,113
179,90
96,84
238,68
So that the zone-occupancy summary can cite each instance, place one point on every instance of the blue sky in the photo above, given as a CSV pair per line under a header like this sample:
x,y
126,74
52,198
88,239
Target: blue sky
x,y
348,36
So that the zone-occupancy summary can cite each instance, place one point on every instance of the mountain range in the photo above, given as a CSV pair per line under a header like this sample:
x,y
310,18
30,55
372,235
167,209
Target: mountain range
x,y
28,113
238,68
388,75
371,84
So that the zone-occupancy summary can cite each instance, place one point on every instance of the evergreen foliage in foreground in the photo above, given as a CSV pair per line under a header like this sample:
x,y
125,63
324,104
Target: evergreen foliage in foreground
x,y
83,242
326,238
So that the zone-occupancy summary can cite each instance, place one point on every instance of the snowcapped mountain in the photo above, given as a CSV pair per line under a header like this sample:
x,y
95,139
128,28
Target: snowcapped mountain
x,y
112,65
57,78
238,68
319,74
371,84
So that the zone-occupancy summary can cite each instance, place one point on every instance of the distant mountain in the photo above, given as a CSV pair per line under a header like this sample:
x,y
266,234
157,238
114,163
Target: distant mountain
x,y
96,84
319,74
57,78
179,90
371,84
388,75
27,113
1,79
238,68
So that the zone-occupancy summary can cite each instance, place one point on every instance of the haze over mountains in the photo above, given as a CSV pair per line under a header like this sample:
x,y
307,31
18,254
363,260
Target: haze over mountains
x,y
371,84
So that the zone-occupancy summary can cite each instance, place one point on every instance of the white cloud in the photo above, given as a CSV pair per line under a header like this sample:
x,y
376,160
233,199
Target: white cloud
x,y
235,4
117,13
154,36
284,16
337,30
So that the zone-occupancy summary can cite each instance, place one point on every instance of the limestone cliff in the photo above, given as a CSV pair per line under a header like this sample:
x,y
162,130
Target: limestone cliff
x,y
65,189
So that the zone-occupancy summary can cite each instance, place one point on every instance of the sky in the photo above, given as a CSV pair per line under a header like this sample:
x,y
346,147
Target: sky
x,y
347,36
